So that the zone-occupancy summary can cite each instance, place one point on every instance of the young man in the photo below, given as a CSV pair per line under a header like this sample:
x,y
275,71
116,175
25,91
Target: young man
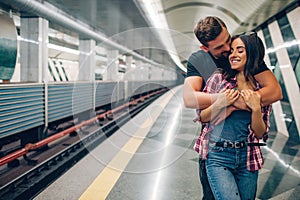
x,y
212,33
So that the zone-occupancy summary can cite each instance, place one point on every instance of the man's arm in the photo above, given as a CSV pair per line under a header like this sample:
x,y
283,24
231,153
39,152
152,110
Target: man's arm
x,y
192,95
271,90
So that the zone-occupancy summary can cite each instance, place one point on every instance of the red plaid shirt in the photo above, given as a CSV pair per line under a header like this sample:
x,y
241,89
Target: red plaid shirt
x,y
255,159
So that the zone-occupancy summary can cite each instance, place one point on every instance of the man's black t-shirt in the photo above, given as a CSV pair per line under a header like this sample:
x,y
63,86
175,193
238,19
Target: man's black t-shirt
x,y
203,64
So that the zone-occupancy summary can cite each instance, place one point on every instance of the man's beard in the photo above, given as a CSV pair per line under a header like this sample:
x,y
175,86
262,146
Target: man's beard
x,y
223,56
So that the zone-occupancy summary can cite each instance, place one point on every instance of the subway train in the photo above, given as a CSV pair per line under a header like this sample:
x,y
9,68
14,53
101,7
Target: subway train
x,y
31,110
28,110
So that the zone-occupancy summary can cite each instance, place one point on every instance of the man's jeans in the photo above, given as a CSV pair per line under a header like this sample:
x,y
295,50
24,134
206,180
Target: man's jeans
x,y
207,193
228,175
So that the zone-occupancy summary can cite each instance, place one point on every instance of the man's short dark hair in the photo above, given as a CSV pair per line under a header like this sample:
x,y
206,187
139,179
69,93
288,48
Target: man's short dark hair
x,y
208,29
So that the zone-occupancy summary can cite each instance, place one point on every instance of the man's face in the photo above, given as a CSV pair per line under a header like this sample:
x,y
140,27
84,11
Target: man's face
x,y
219,47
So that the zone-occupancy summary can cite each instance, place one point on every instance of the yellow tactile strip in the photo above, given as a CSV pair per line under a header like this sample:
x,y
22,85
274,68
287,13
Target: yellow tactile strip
x,y
103,184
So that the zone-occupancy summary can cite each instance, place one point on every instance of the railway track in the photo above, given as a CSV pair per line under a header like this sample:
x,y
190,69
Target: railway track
x,y
38,169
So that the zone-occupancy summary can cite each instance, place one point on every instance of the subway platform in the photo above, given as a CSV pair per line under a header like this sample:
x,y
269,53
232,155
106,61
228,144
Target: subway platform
x,y
152,157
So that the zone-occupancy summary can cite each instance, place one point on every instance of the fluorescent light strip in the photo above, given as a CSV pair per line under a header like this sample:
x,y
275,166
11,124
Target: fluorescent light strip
x,y
284,45
154,12
65,49
54,46
288,166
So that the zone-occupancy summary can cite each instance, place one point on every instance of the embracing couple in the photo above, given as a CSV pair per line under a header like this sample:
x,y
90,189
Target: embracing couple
x,y
232,89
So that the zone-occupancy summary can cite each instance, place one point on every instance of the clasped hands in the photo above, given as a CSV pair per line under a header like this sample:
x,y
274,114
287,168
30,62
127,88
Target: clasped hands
x,y
232,99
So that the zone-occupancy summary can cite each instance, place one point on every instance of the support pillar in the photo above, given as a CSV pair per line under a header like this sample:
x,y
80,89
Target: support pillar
x,y
112,65
138,70
129,70
87,60
34,49
287,72
129,74
276,107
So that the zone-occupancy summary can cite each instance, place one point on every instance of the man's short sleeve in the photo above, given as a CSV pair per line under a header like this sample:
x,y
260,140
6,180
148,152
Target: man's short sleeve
x,y
201,64
261,68
191,70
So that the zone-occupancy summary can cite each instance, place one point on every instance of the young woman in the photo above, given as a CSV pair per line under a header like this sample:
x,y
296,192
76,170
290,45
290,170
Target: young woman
x,y
232,147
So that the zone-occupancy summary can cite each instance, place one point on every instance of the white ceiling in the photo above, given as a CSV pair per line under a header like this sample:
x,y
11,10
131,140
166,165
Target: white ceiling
x,y
238,15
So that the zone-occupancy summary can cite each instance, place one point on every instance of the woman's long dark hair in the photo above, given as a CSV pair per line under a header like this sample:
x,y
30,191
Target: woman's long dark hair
x,y
255,52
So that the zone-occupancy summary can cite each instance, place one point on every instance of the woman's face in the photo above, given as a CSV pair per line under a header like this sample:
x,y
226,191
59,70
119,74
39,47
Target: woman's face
x,y
237,56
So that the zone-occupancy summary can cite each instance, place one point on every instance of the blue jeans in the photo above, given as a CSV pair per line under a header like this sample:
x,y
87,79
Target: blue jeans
x,y
228,175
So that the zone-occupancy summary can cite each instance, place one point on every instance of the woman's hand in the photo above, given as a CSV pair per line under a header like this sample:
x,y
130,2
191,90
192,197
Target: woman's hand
x,y
252,99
